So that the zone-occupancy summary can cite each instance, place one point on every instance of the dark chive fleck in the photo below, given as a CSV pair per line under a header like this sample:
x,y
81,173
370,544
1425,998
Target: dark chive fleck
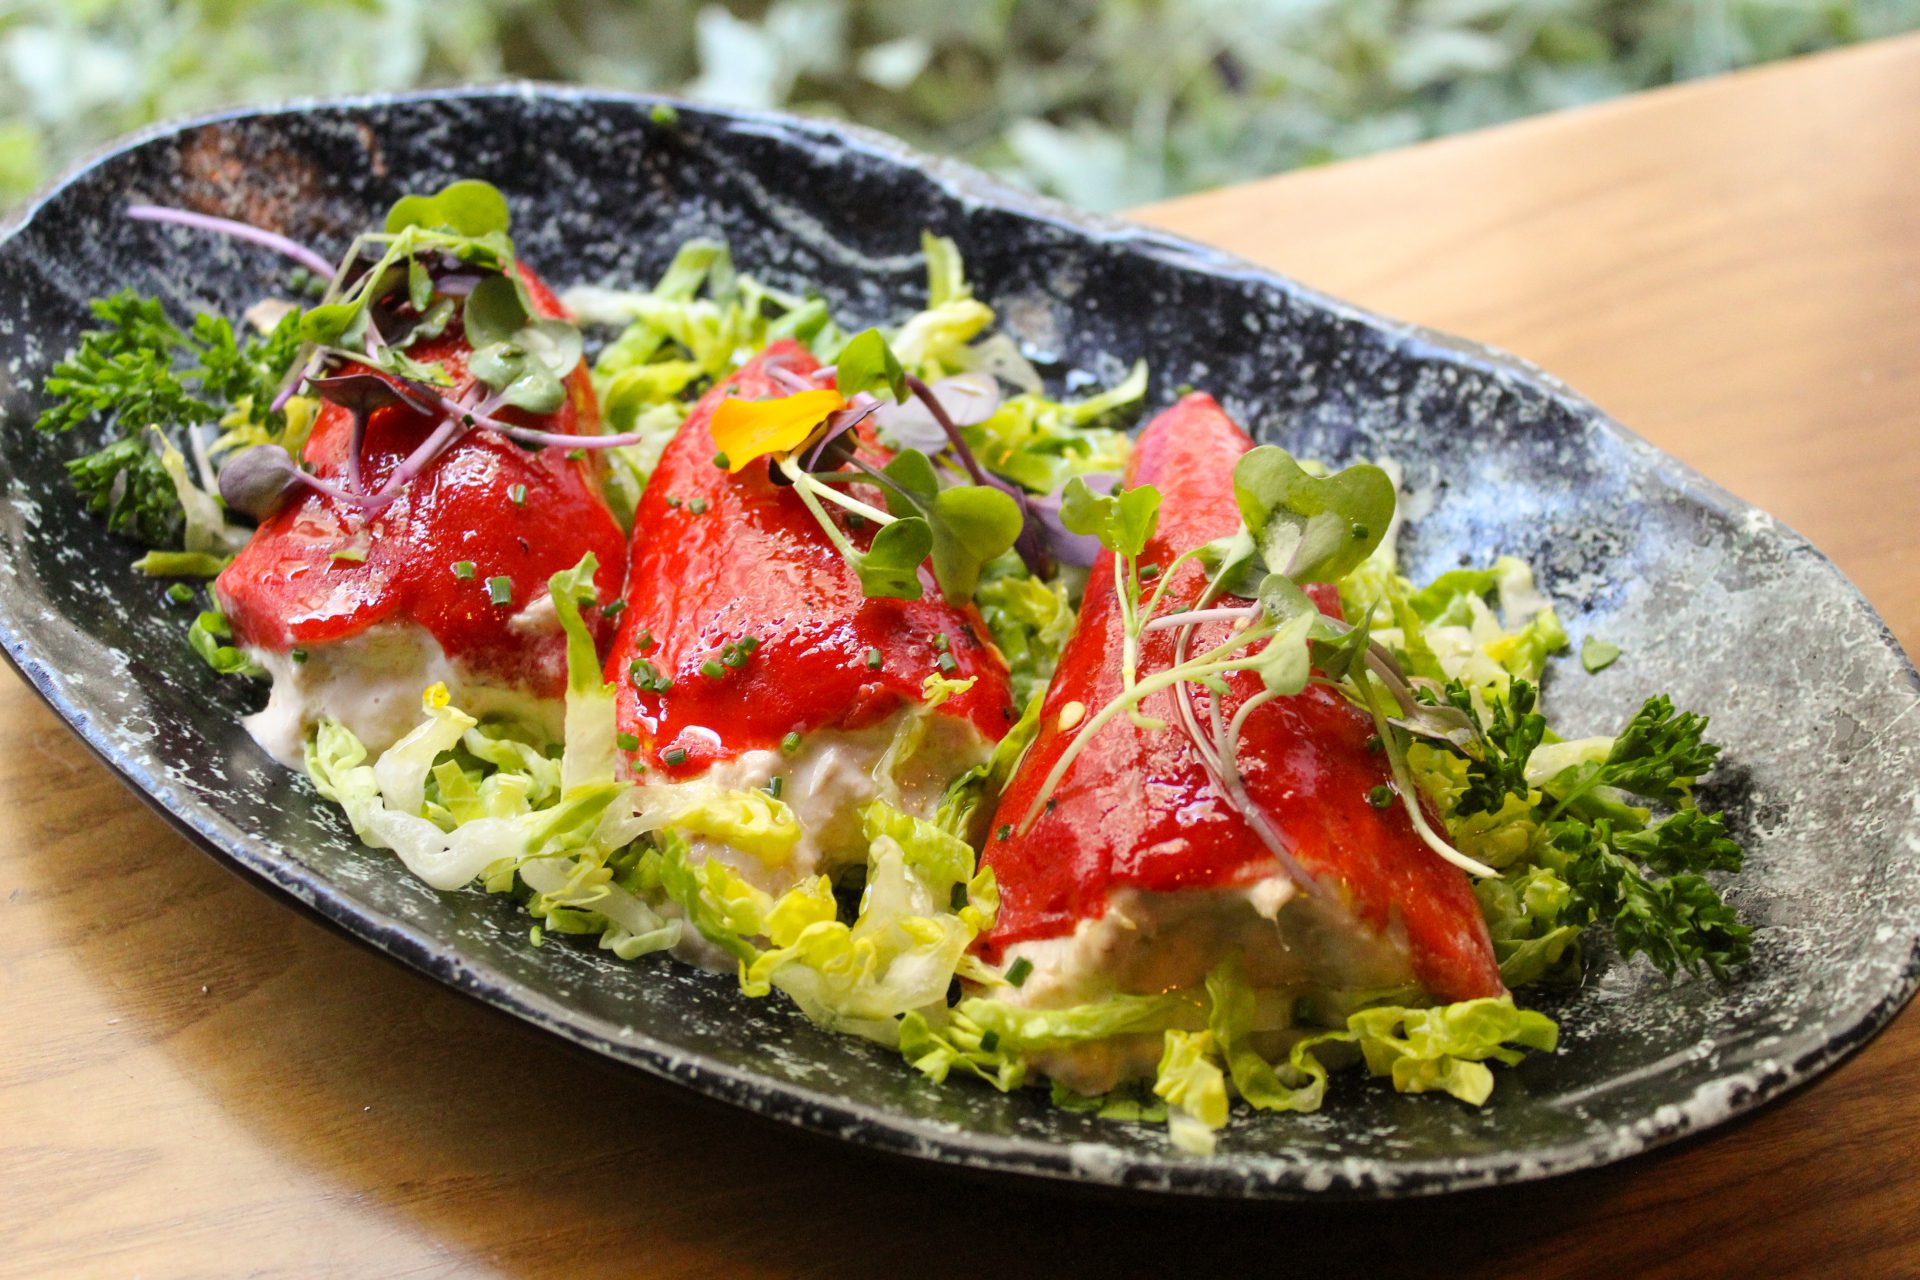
x,y
463,569
1018,972
947,663
663,684
1361,533
874,659
500,590
646,638
1005,832
698,506
990,1041
1381,796
1148,572
613,608
674,503
775,786
712,670
677,756
790,744
941,642
627,742
957,900
749,643
721,461
180,593
298,655
519,495
1050,803
733,656
642,675
576,455
1374,743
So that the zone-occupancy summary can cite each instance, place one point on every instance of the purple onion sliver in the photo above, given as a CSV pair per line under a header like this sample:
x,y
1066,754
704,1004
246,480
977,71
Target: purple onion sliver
x,y
238,230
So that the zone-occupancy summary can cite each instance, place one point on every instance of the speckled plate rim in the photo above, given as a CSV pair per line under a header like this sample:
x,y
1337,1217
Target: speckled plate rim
x,y
1228,1176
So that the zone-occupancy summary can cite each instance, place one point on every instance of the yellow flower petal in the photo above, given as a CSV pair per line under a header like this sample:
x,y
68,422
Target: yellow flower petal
x,y
749,429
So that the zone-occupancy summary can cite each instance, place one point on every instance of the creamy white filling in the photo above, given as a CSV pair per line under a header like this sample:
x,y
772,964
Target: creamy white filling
x,y
1153,942
371,683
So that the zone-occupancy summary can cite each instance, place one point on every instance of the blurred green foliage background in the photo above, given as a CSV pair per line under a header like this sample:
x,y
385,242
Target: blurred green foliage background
x,y
1105,102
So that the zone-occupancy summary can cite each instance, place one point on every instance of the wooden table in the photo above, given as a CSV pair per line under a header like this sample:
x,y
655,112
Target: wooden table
x,y
196,1080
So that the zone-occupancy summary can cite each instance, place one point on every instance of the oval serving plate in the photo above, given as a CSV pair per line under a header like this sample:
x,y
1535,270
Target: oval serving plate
x,y
1709,599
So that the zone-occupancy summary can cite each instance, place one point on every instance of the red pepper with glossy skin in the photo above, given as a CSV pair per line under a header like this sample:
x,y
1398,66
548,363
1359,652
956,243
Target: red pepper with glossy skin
x,y
289,587
1136,808
718,558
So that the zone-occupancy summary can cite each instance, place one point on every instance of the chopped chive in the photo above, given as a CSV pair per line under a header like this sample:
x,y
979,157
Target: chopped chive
x,y
856,522
645,640
989,1041
733,656
576,455
712,670
1374,743
350,555
957,900
298,655
613,608
749,643
1005,832
1148,572
790,744
775,786
298,279
674,503
720,460
941,642
180,593
1019,971
626,741
519,495
1361,533
874,659
677,756
536,935
1381,796
947,663
463,569
500,590
698,506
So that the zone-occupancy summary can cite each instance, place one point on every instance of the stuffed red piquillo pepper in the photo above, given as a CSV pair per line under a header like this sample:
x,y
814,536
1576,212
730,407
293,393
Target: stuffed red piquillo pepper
x,y
748,652
354,610
1138,877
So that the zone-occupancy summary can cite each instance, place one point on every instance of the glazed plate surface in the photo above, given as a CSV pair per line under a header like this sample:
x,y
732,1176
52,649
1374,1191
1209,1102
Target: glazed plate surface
x,y
1708,598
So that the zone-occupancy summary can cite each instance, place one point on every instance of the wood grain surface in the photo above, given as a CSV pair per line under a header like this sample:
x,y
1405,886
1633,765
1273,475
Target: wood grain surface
x,y
196,1081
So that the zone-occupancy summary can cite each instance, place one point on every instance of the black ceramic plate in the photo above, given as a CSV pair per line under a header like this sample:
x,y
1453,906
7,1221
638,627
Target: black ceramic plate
x,y
1707,597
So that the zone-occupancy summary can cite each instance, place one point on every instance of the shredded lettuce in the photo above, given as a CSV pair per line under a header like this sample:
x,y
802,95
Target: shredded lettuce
x,y
1190,1080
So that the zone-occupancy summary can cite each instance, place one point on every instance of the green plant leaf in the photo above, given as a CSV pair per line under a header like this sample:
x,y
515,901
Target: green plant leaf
x,y
890,567
971,525
867,363
468,207
1124,523
1309,528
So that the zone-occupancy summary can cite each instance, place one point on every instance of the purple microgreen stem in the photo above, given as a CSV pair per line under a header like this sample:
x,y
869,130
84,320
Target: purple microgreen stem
x,y
238,230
